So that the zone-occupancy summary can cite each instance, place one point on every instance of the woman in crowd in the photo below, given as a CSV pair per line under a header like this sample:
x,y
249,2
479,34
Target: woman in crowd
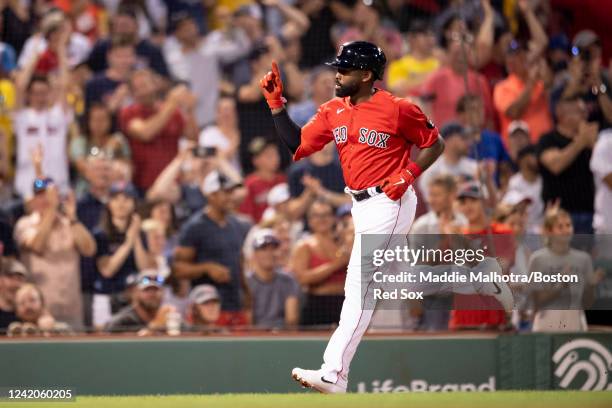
x,y
121,251
319,264
97,140
560,306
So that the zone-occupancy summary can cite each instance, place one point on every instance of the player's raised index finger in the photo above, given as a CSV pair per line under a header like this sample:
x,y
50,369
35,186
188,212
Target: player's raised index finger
x,y
275,69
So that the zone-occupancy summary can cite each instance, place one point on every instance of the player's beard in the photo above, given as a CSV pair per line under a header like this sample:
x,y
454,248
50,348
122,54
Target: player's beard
x,y
345,90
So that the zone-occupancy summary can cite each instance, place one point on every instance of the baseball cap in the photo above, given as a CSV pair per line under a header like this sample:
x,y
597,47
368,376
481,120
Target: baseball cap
x,y
344,209
203,293
14,267
217,181
517,125
121,187
515,197
585,38
278,194
470,189
265,237
41,184
452,129
149,278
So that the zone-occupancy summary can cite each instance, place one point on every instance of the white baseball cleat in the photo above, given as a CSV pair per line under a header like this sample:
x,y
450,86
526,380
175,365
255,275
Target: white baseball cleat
x,y
499,290
314,379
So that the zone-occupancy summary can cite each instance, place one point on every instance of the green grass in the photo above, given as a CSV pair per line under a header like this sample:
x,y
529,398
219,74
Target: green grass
x,y
499,399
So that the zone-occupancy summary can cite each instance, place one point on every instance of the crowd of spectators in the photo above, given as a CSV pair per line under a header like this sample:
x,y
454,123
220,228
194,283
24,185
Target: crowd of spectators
x,y
143,188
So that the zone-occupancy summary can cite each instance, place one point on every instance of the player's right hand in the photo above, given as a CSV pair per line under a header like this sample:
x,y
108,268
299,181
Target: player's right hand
x,y
396,185
272,88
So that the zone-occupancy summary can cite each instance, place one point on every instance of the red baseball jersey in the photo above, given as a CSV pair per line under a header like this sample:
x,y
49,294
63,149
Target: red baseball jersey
x,y
374,138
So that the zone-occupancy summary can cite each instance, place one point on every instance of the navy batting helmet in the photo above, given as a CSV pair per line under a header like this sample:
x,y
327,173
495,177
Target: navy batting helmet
x,y
360,55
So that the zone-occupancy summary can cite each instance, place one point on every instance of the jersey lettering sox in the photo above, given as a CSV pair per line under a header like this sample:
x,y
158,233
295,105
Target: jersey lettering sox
x,y
373,138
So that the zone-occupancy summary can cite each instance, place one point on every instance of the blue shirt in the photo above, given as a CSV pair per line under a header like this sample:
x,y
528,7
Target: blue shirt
x,y
301,112
490,147
217,243
108,245
330,176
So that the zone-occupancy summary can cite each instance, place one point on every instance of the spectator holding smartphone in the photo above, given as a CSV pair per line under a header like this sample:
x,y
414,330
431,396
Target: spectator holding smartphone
x,y
51,241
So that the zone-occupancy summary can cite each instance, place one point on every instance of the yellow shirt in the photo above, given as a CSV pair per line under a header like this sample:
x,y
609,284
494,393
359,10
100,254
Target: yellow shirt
x,y
411,70
7,141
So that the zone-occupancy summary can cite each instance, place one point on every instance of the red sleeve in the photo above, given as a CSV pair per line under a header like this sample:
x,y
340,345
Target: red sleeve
x,y
414,126
315,135
124,117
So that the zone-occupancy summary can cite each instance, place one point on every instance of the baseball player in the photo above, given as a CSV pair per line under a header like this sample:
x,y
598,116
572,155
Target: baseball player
x,y
374,132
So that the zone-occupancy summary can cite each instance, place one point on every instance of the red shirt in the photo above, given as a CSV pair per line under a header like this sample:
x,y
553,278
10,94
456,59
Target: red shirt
x,y
445,87
150,158
374,138
256,201
489,313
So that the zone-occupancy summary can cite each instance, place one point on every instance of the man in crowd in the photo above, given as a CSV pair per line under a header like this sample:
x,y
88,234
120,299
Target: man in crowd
x,y
266,160
321,91
155,126
146,314
442,218
523,95
317,176
274,293
51,241
587,80
601,166
473,311
210,245
41,119
410,71
198,60
12,276
564,155
528,182
454,159
125,24
110,86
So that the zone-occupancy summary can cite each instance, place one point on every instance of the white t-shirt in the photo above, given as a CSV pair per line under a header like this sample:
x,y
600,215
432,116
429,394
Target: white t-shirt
x,y
601,166
50,129
79,48
534,191
464,169
429,223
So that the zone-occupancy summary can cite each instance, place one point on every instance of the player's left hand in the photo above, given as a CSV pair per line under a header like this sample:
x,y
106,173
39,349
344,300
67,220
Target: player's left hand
x,y
396,185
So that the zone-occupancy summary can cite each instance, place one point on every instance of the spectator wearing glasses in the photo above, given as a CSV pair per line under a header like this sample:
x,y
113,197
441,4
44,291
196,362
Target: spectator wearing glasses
x,y
145,314
51,241
98,140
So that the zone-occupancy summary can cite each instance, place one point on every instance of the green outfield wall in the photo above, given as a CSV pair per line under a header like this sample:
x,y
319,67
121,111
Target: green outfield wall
x,y
263,364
